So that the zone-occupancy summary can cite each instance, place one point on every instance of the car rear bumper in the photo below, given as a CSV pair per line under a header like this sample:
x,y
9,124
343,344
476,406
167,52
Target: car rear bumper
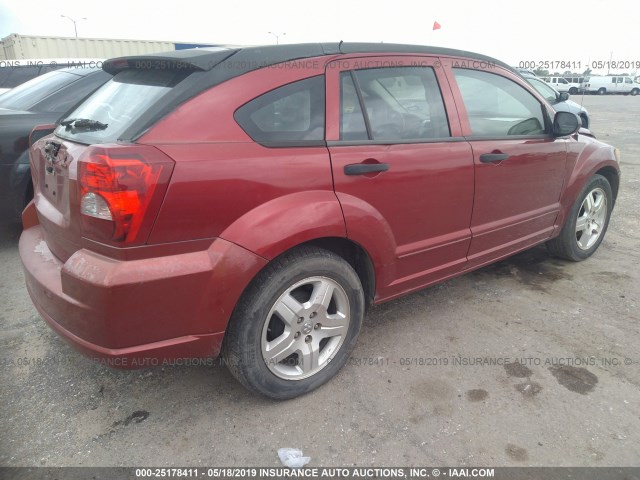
x,y
135,313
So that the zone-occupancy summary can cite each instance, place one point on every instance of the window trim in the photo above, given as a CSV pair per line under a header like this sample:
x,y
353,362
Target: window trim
x,y
291,144
353,143
365,115
475,138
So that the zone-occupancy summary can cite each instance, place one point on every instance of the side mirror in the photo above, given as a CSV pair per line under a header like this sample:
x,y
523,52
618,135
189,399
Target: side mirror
x,y
565,123
563,97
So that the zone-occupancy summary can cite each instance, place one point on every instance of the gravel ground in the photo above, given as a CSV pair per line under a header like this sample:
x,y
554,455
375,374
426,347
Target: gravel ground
x,y
573,399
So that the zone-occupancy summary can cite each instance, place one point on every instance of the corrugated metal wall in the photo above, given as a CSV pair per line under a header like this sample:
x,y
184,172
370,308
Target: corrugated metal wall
x,y
16,47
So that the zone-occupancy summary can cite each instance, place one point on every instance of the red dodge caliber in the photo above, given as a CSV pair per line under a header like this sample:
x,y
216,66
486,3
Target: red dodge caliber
x,y
253,202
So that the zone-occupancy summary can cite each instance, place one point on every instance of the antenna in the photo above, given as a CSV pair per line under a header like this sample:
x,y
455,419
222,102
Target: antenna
x,y
340,45
584,81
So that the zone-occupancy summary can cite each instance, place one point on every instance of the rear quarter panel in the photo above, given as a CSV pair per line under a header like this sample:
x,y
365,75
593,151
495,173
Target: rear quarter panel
x,y
226,185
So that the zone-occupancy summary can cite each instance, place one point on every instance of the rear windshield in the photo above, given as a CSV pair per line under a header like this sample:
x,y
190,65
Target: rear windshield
x,y
119,103
30,93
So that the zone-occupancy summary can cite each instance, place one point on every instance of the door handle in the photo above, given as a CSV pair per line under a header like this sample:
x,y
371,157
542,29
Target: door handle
x,y
493,157
364,168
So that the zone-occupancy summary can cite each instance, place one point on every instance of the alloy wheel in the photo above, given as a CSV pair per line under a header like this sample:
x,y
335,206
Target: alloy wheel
x,y
591,218
305,328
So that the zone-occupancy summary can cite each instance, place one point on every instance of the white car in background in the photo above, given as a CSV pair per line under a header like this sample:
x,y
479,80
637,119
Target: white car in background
x,y
611,84
559,83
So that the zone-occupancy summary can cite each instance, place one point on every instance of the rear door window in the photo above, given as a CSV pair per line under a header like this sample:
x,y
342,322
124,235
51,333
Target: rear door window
x,y
291,114
402,103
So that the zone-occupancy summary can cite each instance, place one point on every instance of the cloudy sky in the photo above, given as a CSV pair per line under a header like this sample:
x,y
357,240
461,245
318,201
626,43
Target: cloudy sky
x,y
577,31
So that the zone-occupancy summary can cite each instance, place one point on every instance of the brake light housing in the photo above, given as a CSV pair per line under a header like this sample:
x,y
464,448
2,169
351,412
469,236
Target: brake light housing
x,y
120,190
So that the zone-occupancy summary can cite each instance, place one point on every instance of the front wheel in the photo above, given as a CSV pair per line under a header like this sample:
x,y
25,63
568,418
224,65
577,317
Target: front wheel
x,y
585,120
602,91
296,324
635,92
586,223
573,91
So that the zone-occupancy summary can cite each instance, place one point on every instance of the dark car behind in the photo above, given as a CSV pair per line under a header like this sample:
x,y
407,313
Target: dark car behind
x,y
43,100
12,75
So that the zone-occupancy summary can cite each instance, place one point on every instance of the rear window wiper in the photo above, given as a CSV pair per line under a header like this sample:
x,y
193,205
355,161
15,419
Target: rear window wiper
x,y
83,123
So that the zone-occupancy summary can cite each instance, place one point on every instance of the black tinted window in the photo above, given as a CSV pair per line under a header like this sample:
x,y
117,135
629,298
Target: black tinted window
x,y
403,103
497,106
19,75
5,72
71,95
291,113
30,93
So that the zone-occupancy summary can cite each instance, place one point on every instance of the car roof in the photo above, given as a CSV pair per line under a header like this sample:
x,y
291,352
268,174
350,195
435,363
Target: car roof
x,y
207,67
205,59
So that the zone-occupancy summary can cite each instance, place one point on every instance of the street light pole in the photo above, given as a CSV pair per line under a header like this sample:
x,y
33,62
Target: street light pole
x,y
277,36
75,22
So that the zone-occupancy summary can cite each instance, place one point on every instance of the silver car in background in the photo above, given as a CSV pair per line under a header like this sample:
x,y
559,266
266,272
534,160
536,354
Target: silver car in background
x,y
559,101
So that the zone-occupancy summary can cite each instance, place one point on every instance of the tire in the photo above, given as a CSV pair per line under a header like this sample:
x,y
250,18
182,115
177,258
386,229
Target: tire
x,y
635,92
573,91
278,309
602,91
576,245
585,120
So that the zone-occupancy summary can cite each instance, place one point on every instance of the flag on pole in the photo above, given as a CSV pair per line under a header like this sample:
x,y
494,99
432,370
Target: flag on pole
x,y
436,26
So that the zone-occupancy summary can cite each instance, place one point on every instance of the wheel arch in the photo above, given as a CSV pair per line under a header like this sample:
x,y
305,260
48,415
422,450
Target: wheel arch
x,y
596,162
350,251
613,177
356,256
584,118
342,224
286,222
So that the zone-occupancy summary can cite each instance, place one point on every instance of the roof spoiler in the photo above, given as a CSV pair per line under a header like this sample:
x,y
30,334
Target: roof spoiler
x,y
201,59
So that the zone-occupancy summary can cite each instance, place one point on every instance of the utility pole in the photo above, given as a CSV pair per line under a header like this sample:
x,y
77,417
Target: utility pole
x,y
75,23
277,36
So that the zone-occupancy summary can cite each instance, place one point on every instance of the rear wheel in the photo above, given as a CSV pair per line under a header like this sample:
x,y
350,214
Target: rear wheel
x,y
296,325
587,222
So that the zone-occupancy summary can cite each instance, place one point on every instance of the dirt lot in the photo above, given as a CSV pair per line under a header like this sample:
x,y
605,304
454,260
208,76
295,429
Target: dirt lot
x,y
573,400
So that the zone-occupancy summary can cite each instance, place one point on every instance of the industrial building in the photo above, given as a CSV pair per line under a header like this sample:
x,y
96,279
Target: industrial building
x,y
17,47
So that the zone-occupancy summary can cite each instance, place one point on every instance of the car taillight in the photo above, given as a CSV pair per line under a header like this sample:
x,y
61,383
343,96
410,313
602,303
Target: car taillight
x,y
120,191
